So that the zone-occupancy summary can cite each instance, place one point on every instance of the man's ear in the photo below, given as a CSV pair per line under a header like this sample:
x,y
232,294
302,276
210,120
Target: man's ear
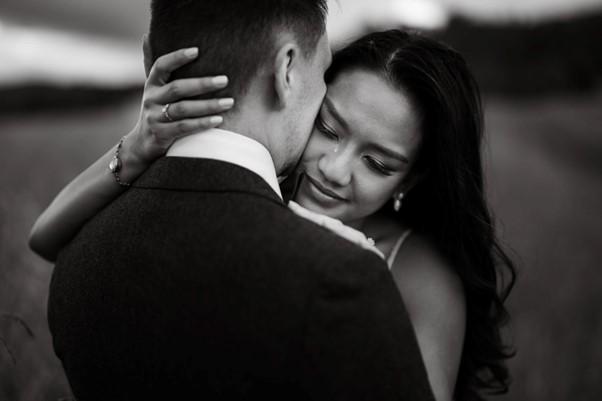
x,y
285,64
148,54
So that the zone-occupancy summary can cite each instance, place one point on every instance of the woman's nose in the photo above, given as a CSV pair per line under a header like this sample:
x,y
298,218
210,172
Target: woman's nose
x,y
335,167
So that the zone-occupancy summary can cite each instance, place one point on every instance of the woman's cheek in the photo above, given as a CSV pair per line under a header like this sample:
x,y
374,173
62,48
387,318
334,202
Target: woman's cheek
x,y
364,190
373,192
312,151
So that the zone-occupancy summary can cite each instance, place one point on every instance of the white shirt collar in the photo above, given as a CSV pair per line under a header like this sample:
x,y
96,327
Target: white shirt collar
x,y
228,146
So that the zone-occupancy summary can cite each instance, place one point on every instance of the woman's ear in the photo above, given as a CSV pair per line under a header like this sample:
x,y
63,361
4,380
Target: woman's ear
x,y
285,64
148,54
411,180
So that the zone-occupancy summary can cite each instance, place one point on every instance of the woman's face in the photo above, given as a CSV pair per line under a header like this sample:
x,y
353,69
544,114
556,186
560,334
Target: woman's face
x,y
364,142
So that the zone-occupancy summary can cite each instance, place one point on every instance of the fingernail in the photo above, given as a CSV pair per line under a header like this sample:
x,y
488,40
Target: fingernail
x,y
216,119
221,80
226,102
192,52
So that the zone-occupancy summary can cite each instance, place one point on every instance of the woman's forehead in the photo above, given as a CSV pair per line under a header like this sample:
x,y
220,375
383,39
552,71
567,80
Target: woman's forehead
x,y
367,106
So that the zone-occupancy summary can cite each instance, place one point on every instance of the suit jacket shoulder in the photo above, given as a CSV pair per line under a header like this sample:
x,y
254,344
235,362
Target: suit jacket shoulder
x,y
200,280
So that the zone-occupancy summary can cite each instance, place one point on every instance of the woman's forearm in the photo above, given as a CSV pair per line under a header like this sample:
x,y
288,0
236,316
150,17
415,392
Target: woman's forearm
x,y
157,127
81,199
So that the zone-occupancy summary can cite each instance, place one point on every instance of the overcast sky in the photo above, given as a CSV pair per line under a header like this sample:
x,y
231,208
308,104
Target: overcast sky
x,y
521,9
129,18
74,42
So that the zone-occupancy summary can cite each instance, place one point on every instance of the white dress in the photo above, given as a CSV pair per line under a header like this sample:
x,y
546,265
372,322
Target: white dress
x,y
397,247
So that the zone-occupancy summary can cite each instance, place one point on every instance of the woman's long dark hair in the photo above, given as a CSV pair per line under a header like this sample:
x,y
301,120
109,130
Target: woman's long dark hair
x,y
448,204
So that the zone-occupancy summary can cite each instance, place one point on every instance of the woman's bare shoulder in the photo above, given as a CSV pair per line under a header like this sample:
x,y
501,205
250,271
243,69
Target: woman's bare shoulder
x,y
424,269
435,300
384,231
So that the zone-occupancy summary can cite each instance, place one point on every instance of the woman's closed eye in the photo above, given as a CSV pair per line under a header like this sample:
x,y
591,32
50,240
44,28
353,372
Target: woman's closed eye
x,y
378,166
325,130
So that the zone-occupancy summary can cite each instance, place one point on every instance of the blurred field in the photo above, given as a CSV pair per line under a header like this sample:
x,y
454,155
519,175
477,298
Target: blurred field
x,y
545,170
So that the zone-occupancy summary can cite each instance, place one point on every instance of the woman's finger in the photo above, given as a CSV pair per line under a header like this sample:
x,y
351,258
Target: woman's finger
x,y
374,249
188,87
337,227
301,211
170,62
177,129
198,108
147,54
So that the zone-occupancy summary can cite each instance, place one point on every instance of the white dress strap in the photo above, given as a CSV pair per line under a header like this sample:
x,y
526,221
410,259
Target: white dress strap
x,y
396,248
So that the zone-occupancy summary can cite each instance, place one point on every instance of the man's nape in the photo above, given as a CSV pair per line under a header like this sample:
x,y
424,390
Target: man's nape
x,y
283,131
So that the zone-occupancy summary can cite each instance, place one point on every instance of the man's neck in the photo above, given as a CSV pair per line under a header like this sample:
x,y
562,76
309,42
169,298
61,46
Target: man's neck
x,y
230,147
256,125
248,130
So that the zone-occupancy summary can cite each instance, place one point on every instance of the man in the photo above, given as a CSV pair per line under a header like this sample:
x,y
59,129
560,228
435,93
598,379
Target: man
x,y
199,281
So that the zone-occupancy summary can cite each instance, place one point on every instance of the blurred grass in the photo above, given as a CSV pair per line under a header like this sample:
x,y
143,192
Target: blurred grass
x,y
545,176
39,153
544,169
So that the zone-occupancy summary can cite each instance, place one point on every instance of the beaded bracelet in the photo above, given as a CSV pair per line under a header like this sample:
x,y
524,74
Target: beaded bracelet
x,y
115,165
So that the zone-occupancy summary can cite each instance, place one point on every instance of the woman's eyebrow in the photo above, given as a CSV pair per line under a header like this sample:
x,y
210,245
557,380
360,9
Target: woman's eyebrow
x,y
333,110
391,153
386,151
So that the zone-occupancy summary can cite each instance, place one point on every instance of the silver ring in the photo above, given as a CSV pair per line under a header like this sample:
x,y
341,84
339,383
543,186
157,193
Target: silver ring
x,y
166,112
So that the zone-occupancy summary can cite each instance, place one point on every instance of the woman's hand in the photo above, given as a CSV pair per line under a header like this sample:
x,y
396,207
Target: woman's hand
x,y
168,109
337,227
155,131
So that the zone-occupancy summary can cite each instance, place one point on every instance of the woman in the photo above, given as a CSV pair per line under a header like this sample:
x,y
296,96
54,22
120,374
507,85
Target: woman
x,y
401,123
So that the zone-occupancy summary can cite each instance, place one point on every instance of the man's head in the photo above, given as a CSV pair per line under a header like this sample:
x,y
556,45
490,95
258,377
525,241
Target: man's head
x,y
274,53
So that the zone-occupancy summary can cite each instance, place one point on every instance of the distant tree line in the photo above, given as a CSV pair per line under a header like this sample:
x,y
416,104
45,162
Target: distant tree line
x,y
512,59
522,59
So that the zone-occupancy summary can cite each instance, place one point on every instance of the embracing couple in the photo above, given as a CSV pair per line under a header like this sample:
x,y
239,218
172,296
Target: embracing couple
x,y
187,274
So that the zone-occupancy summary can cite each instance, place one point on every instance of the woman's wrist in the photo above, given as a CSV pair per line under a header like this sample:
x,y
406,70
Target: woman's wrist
x,y
133,160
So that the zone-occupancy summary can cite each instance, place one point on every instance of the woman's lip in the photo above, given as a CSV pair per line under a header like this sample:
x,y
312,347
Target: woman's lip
x,y
324,190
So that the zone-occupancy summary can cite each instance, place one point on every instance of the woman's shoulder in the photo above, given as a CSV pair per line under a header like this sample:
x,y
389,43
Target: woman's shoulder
x,y
417,264
427,278
434,297
422,259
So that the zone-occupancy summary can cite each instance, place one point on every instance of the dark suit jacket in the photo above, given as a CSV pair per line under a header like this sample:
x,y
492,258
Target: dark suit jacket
x,y
199,282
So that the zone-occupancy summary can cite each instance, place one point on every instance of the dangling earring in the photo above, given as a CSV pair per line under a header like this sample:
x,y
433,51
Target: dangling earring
x,y
397,202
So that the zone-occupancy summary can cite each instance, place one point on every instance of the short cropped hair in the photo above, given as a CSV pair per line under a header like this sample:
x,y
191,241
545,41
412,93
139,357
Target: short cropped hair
x,y
234,37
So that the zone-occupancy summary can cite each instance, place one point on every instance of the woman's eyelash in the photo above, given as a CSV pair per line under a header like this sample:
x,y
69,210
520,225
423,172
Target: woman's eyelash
x,y
325,130
379,167
372,163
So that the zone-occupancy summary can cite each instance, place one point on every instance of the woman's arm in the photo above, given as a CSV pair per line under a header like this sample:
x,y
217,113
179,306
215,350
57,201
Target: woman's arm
x,y
434,298
96,187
